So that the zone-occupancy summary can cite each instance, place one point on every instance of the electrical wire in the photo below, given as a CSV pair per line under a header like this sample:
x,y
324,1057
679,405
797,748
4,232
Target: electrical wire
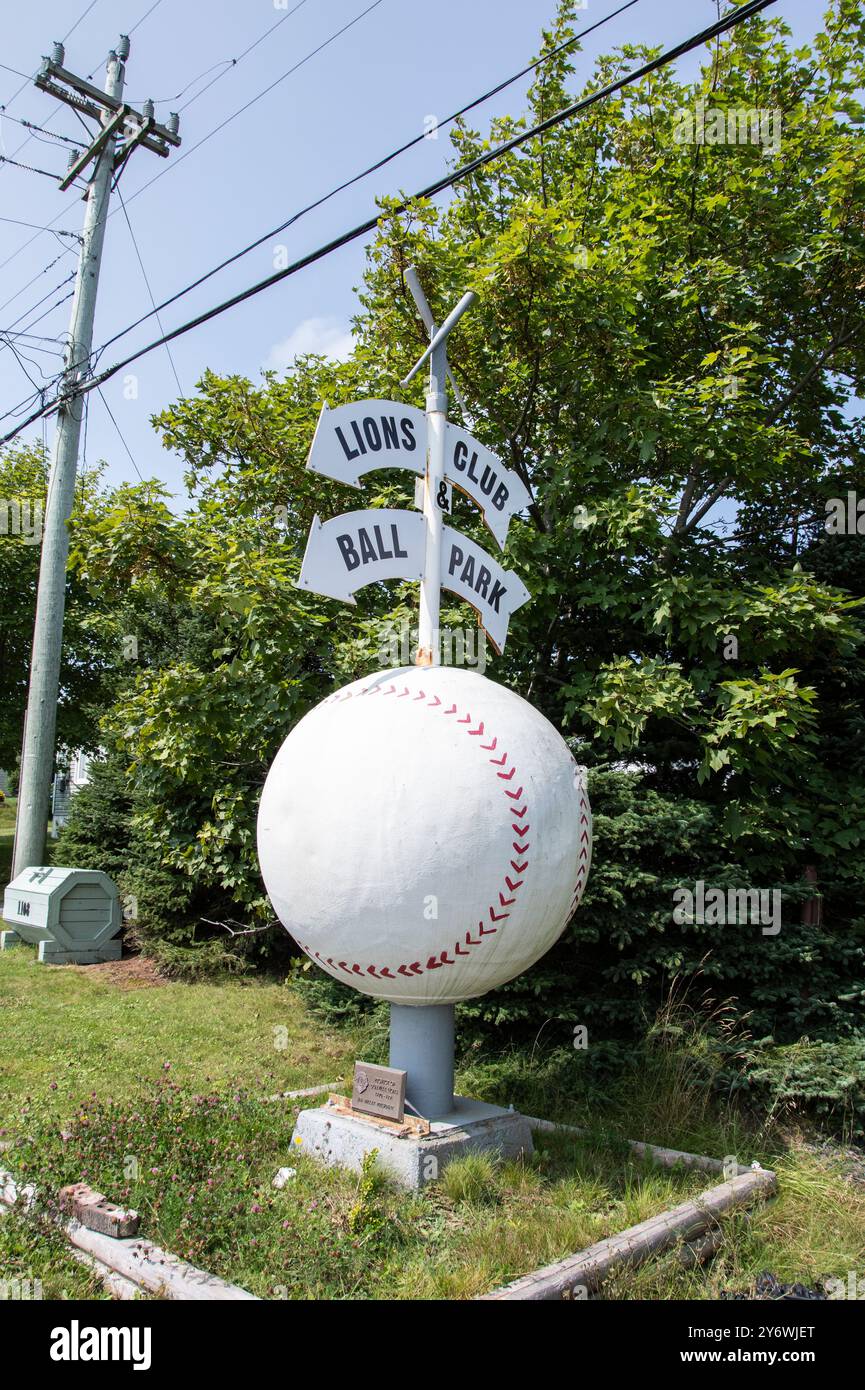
x,y
31,126
32,281
81,17
258,97
120,432
722,25
51,307
146,15
31,169
39,227
240,57
364,173
149,290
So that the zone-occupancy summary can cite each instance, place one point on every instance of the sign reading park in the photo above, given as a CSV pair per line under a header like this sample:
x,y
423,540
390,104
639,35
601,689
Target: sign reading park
x,y
379,1091
473,575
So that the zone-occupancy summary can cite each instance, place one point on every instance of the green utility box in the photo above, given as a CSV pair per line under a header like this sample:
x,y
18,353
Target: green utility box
x,y
73,915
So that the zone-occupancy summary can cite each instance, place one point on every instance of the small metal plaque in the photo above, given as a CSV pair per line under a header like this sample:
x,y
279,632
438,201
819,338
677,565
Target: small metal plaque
x,y
378,1091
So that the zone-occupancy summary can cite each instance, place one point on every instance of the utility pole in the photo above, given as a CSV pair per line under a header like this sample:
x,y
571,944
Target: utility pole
x,y
122,130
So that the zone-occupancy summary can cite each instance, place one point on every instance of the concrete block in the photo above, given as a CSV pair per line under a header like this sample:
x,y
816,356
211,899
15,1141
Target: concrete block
x,y
411,1160
95,1211
51,953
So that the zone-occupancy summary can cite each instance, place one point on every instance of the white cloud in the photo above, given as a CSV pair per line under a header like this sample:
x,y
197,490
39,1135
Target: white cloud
x,y
323,335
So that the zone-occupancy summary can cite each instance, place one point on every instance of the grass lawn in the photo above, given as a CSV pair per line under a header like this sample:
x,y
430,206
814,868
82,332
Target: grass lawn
x,y
157,1094
7,835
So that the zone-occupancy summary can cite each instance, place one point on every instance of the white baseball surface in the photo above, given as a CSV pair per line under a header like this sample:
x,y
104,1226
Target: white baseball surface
x,y
424,834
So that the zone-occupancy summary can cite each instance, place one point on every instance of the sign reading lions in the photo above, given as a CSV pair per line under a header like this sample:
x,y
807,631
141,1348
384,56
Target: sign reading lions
x,y
353,439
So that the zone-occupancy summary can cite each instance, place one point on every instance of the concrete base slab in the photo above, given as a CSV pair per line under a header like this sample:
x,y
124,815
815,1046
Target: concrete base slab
x,y
50,953
8,939
411,1160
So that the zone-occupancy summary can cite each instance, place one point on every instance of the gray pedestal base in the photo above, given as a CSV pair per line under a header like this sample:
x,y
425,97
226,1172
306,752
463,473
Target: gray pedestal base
x,y
8,939
471,1127
52,953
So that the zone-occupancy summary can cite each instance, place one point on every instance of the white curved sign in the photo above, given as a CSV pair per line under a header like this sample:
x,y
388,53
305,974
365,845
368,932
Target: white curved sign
x,y
360,548
353,439
481,475
494,593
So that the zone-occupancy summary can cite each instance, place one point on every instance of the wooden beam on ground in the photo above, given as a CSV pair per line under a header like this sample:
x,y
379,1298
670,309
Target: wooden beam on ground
x,y
138,1262
668,1158
579,1275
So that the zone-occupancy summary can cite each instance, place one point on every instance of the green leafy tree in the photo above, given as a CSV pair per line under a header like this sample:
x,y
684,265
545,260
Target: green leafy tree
x,y
23,483
667,348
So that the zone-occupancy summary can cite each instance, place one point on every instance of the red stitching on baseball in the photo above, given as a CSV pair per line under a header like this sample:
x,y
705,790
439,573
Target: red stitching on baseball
x,y
436,963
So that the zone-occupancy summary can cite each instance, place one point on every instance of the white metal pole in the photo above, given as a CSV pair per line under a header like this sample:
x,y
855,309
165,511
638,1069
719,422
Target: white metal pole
x,y
422,1036
40,727
429,645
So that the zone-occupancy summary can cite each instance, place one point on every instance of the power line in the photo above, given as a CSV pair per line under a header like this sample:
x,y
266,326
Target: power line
x,y
149,290
16,222
81,17
232,63
258,97
722,25
120,432
371,169
27,78
49,226
51,307
16,355
33,128
31,169
146,15
59,105
32,281
226,64
240,57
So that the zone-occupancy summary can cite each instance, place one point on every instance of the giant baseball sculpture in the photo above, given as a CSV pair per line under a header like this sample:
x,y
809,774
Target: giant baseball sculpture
x,y
424,834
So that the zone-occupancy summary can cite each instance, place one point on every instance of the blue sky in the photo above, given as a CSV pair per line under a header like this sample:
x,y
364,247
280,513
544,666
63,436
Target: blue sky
x,y
366,92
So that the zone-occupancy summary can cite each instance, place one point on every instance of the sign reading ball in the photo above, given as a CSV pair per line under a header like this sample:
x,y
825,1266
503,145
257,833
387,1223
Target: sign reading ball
x,y
424,834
